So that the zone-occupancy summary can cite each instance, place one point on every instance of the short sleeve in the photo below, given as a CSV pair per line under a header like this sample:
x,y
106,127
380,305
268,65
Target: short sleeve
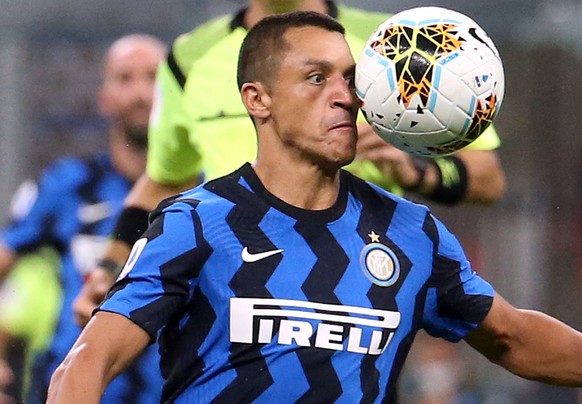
x,y
161,269
458,299
488,140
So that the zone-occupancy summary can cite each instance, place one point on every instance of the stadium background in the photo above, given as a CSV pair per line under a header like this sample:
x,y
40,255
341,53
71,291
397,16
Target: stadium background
x,y
529,244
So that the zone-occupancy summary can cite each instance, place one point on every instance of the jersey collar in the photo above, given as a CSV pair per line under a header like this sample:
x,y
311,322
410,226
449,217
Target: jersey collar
x,y
328,215
239,17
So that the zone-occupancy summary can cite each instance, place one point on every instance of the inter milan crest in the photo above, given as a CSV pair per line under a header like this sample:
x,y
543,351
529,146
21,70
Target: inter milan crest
x,y
379,263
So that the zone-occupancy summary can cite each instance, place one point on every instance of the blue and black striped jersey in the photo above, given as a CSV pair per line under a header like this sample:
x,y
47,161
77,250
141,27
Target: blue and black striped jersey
x,y
256,300
73,208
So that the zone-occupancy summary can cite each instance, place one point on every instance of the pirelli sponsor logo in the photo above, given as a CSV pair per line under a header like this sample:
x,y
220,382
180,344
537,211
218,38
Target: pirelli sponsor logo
x,y
326,326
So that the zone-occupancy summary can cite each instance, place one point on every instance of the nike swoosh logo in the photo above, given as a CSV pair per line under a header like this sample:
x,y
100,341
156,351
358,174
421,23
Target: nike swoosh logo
x,y
249,257
92,213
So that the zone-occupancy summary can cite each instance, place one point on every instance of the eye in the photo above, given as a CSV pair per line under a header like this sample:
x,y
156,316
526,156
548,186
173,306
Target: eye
x,y
350,77
350,81
316,78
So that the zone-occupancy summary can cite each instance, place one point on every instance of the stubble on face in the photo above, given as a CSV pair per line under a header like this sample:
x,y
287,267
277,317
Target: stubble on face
x,y
127,92
315,109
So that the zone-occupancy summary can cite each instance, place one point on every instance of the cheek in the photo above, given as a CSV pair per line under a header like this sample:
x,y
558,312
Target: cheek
x,y
301,112
116,106
296,110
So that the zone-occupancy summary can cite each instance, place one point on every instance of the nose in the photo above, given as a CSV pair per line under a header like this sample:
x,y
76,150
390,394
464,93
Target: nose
x,y
143,89
344,95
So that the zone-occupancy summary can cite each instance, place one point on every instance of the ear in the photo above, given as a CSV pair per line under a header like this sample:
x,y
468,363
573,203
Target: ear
x,y
256,99
103,102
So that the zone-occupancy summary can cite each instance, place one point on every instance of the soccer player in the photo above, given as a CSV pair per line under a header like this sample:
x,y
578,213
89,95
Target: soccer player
x,y
291,279
78,201
200,131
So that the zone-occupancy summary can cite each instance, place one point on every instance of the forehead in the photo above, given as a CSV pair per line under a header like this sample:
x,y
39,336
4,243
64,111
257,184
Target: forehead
x,y
130,57
314,43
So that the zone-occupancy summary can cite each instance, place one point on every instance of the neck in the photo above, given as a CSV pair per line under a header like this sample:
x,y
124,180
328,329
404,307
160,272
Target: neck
x,y
128,160
305,186
258,10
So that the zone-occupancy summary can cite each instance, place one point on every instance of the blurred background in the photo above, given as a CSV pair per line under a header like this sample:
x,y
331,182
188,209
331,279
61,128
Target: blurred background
x,y
529,244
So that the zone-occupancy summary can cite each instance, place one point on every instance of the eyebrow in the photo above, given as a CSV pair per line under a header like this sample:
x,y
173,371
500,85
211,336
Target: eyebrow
x,y
319,63
325,65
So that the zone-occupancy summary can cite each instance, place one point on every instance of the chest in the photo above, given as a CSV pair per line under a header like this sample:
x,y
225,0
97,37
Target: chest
x,y
338,263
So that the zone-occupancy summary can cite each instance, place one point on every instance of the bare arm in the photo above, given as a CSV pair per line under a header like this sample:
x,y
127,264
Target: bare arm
x,y
6,374
530,344
7,260
105,348
486,178
145,194
148,193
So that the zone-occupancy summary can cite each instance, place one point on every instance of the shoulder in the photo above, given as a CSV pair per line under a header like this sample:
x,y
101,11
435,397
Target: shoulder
x,y
405,214
70,170
192,45
376,198
358,22
201,201
70,173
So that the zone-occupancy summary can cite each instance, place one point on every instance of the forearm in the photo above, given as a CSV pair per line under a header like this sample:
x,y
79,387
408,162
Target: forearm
x,y
530,344
486,178
547,350
7,260
77,379
147,193
105,348
473,176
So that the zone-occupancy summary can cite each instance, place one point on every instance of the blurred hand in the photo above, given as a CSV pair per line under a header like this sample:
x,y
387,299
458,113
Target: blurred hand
x,y
394,163
6,399
7,260
6,378
91,295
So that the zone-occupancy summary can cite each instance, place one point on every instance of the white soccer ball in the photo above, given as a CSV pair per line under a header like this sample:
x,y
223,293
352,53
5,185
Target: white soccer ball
x,y
431,81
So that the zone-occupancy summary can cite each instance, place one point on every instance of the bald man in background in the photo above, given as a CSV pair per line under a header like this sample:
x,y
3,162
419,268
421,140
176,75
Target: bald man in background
x,y
75,205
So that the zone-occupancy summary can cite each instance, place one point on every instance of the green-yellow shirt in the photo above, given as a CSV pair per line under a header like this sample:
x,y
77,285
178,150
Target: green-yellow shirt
x,y
199,124
30,300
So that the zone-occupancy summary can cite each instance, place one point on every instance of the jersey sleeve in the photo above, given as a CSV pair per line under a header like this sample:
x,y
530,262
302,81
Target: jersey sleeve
x,y
488,140
35,205
458,299
172,159
161,269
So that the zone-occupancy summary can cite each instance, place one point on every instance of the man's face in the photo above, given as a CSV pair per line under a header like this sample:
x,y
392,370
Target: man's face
x,y
314,106
128,87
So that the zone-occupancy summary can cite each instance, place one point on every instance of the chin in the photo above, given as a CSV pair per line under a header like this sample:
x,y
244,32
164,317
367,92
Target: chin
x,y
337,163
137,135
346,162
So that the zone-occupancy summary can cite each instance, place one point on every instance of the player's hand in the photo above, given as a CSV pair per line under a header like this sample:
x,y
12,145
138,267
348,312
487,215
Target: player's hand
x,y
92,293
6,378
7,260
394,163
6,399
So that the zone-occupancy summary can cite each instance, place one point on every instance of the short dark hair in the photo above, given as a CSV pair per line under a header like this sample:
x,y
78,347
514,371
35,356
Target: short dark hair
x,y
260,54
